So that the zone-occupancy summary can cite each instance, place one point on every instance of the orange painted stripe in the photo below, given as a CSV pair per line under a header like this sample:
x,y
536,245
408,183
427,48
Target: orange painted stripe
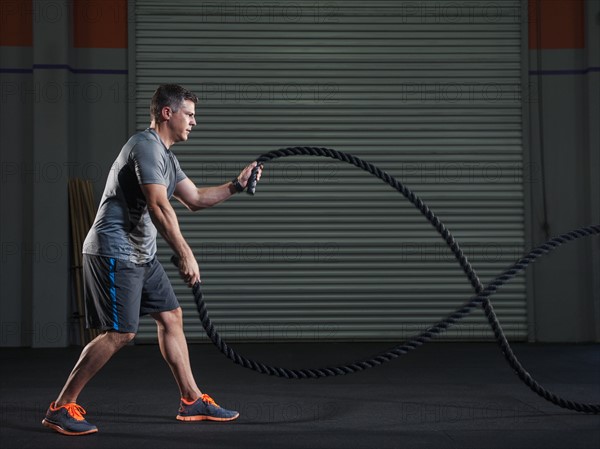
x,y
16,23
99,23
562,24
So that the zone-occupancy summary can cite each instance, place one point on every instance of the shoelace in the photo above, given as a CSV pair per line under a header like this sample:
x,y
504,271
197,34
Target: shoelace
x,y
206,398
75,410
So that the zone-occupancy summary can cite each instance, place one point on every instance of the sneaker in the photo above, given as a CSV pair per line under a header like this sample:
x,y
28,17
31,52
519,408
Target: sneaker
x,y
68,419
203,409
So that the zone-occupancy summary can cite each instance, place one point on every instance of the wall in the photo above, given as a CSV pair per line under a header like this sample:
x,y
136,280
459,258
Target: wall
x,y
64,114
564,69
64,109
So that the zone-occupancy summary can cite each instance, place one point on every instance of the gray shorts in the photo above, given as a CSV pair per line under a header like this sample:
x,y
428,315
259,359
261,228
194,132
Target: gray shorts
x,y
118,292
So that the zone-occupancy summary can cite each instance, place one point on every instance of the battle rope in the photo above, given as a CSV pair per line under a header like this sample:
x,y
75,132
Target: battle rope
x,y
482,294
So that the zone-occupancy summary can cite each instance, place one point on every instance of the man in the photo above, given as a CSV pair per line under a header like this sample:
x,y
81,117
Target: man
x,y
123,279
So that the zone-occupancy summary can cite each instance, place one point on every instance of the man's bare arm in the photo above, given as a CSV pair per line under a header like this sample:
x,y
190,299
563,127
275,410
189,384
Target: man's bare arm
x,y
195,198
164,218
201,198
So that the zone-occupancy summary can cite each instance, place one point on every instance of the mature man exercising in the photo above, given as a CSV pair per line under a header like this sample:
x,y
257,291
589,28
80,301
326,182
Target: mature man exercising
x,y
122,278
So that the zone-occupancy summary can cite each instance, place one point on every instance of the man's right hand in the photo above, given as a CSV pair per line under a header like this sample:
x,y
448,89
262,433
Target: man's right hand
x,y
189,270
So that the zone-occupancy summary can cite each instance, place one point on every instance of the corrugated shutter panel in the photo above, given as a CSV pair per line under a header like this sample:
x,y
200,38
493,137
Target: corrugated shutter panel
x,y
430,91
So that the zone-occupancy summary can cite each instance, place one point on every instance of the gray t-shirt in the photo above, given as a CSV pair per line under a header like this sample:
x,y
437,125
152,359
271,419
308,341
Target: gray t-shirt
x,y
123,228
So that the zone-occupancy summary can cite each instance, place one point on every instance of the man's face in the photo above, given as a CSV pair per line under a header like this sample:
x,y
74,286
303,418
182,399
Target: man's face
x,y
182,121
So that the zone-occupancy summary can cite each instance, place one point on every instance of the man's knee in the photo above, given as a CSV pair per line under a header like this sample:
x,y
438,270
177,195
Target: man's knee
x,y
169,318
120,338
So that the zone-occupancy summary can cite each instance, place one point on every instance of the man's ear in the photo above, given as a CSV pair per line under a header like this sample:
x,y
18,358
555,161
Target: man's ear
x,y
166,113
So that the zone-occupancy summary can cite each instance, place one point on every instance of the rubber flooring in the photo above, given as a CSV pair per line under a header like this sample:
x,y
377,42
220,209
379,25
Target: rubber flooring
x,y
444,395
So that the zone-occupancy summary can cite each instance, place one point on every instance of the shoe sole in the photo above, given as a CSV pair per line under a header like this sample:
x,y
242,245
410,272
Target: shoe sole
x,y
59,429
205,418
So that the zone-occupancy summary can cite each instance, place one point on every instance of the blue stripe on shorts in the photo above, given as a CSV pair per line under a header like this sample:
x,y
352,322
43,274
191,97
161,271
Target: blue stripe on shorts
x,y
113,294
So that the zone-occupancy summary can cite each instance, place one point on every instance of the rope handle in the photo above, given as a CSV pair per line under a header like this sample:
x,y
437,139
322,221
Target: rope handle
x,y
252,181
196,288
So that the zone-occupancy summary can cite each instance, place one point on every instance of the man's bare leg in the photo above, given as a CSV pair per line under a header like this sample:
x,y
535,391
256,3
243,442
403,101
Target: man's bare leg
x,y
173,346
93,357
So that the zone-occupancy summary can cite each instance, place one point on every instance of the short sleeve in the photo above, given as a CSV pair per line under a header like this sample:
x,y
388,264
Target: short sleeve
x,y
149,163
179,174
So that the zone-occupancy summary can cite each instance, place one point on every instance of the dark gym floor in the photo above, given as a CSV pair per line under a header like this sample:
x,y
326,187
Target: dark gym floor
x,y
444,395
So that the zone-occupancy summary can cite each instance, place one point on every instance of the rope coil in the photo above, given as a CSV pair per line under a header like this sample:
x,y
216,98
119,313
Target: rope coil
x,y
482,294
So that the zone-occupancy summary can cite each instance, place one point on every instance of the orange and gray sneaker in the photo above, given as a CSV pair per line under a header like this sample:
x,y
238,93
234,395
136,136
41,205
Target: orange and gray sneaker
x,y
204,409
68,419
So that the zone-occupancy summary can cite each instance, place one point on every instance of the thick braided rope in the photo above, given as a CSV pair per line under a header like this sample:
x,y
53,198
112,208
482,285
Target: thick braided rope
x,y
482,296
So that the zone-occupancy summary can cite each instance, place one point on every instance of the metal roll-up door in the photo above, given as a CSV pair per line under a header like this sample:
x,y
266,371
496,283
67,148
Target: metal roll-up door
x,y
429,91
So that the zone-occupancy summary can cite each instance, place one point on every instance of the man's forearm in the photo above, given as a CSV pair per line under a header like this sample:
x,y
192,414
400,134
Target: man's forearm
x,y
165,220
211,196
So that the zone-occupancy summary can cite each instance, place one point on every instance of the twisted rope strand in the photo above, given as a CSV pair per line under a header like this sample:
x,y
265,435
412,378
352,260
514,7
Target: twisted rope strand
x,y
482,294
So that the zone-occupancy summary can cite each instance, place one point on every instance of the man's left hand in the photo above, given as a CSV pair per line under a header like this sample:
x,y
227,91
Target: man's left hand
x,y
244,176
